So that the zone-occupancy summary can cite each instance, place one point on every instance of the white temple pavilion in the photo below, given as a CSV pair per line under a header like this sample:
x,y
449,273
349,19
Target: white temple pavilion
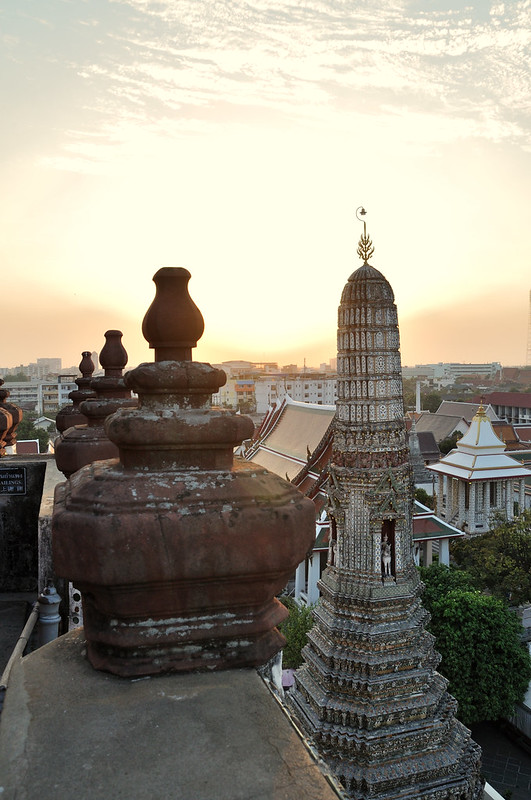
x,y
478,479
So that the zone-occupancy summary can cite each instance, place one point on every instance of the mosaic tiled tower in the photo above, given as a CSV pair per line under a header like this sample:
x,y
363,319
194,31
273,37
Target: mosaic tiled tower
x,y
368,694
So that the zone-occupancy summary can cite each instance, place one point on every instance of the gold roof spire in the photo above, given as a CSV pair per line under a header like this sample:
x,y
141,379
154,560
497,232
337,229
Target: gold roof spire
x,y
481,413
365,245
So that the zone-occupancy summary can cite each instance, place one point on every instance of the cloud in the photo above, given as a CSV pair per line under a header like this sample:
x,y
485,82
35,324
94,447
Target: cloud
x,y
173,67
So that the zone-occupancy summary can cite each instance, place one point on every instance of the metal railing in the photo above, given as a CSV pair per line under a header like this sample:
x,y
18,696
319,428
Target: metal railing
x,y
44,612
19,649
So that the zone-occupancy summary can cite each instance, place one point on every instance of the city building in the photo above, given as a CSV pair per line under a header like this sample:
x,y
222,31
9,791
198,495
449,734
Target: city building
x,y
42,395
48,366
262,391
514,407
444,374
42,368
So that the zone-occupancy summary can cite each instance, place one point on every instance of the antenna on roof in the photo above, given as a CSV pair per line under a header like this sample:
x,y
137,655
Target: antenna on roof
x,y
365,246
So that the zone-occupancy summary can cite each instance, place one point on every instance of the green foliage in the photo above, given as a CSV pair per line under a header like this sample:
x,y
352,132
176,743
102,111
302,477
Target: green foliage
x,y
501,559
438,580
445,445
431,402
16,376
246,406
423,497
487,667
27,430
295,628
409,392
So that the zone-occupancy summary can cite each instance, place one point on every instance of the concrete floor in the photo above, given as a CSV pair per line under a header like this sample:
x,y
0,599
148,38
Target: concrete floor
x,y
69,731
505,764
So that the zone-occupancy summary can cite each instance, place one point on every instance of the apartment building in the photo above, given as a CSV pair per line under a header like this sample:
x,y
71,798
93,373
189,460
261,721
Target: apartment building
x,y
41,396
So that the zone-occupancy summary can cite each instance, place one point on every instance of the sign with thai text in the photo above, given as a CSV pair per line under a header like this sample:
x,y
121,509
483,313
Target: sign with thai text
x,y
12,480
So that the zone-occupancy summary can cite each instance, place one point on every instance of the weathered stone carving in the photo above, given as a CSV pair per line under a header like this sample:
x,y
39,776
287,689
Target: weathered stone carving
x,y
178,548
368,694
70,415
10,416
82,444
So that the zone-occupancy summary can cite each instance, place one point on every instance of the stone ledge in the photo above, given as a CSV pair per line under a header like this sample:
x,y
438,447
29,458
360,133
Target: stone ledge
x,y
69,731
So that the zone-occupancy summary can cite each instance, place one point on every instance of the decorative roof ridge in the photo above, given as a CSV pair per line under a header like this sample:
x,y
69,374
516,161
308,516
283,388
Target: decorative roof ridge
x,y
266,426
302,404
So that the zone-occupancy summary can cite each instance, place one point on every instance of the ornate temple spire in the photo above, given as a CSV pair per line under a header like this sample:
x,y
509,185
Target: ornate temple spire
x,y
365,245
368,694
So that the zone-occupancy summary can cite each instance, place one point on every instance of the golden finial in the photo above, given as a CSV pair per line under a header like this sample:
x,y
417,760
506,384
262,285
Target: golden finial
x,y
365,246
481,408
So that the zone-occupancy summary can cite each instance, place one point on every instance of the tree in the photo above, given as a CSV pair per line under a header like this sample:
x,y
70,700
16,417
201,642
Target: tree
x,y
246,406
500,560
295,628
27,430
16,376
438,580
487,666
423,497
445,445
409,386
431,402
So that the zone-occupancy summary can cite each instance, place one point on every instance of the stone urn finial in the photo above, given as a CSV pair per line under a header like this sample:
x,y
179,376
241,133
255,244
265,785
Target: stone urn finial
x,y
70,415
179,548
10,416
113,356
83,443
173,323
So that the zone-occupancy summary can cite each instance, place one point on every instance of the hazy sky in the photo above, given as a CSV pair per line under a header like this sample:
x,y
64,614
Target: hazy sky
x,y
237,140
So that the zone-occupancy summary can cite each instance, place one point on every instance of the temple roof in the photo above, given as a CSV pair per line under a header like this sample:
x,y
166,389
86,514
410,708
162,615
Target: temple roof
x,y
441,425
426,439
480,455
275,447
367,283
427,526
506,432
288,437
523,432
465,410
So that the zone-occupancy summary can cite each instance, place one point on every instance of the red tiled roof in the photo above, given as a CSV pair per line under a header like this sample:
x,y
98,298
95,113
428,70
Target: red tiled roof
x,y
506,432
27,447
524,433
432,528
517,399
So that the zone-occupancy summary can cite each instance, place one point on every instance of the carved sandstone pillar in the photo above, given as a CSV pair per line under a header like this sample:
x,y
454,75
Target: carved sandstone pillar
x,y
10,416
71,415
83,444
178,548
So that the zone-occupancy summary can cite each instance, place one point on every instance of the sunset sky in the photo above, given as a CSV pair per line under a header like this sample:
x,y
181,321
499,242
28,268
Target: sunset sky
x,y
237,140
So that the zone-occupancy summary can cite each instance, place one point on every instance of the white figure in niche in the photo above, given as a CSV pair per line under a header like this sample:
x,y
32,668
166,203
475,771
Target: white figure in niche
x,y
386,556
332,548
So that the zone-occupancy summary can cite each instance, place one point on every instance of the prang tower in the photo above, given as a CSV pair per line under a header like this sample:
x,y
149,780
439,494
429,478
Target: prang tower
x,y
368,694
